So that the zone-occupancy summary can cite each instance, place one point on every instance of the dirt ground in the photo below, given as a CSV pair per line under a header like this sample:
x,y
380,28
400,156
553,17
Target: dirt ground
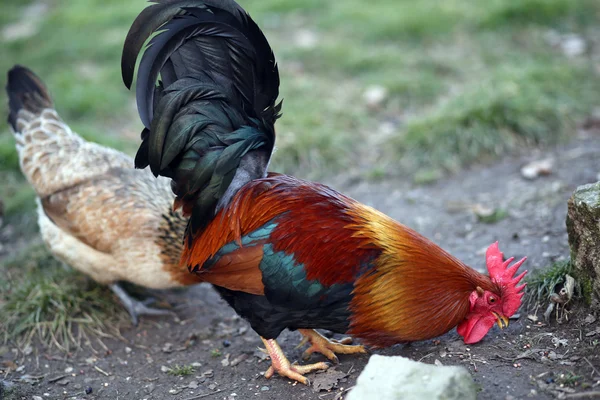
x,y
530,359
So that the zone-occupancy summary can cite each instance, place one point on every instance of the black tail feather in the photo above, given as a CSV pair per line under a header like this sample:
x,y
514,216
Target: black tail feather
x,y
25,90
210,121
201,37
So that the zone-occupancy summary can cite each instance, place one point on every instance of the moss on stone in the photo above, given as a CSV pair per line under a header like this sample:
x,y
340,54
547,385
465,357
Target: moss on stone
x,y
583,227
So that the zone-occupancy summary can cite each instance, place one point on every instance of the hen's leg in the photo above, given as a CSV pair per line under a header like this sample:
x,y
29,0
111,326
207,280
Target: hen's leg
x,y
134,307
281,365
320,344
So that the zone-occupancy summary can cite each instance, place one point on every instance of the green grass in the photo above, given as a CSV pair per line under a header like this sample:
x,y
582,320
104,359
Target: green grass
x,y
40,299
466,80
542,283
9,393
181,370
533,104
569,379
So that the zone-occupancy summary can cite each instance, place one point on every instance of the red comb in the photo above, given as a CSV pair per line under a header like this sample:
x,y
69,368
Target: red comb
x,y
503,274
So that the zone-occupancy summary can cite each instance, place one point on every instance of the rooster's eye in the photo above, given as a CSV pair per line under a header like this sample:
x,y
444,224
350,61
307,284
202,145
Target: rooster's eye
x,y
492,300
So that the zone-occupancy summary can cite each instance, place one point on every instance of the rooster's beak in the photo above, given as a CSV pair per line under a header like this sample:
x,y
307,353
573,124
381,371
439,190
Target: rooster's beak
x,y
501,320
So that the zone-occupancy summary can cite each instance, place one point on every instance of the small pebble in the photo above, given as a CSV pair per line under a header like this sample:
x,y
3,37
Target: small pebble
x,y
375,95
88,390
264,389
226,343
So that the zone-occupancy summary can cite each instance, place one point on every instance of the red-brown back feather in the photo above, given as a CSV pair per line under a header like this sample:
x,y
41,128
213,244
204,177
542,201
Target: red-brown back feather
x,y
312,221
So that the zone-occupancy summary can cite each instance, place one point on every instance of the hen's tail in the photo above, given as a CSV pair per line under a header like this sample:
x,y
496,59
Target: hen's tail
x,y
209,121
51,156
25,92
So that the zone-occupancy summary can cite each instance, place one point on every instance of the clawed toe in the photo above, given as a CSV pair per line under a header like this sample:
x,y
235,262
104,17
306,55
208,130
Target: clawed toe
x,y
136,308
320,344
281,365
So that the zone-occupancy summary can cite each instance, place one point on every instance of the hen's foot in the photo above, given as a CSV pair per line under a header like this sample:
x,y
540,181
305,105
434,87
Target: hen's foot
x,y
136,308
281,365
320,344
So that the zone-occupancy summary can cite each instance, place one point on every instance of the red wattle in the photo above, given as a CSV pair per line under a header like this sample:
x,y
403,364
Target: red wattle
x,y
474,328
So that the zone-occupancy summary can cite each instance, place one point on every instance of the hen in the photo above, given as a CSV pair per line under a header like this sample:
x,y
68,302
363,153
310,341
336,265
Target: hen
x,y
283,252
95,211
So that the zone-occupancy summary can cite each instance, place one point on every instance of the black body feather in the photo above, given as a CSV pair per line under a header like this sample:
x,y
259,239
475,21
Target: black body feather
x,y
269,318
209,122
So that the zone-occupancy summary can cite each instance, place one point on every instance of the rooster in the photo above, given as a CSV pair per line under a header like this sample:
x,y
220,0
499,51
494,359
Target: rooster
x,y
96,212
284,252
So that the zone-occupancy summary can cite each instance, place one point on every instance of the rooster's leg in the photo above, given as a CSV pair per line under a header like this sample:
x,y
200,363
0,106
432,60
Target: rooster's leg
x,y
281,365
134,307
320,344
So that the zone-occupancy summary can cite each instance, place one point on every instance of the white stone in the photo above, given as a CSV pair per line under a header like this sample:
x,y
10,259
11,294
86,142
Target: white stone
x,y
573,45
398,378
537,168
306,39
375,95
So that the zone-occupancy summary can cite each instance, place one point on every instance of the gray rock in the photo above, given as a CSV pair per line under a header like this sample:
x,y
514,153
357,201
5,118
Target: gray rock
x,y
583,226
398,378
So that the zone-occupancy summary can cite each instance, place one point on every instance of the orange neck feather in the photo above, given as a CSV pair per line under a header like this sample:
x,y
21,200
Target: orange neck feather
x,y
415,292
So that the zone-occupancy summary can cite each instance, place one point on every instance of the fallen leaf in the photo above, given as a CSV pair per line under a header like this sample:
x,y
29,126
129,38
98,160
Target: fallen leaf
x,y
10,365
327,380
63,382
592,333
238,359
528,354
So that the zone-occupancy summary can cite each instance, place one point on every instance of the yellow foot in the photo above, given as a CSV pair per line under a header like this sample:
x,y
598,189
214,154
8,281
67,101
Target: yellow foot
x,y
281,365
320,344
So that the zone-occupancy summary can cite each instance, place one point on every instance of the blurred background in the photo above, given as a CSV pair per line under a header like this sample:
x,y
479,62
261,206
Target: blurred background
x,y
385,88
382,90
